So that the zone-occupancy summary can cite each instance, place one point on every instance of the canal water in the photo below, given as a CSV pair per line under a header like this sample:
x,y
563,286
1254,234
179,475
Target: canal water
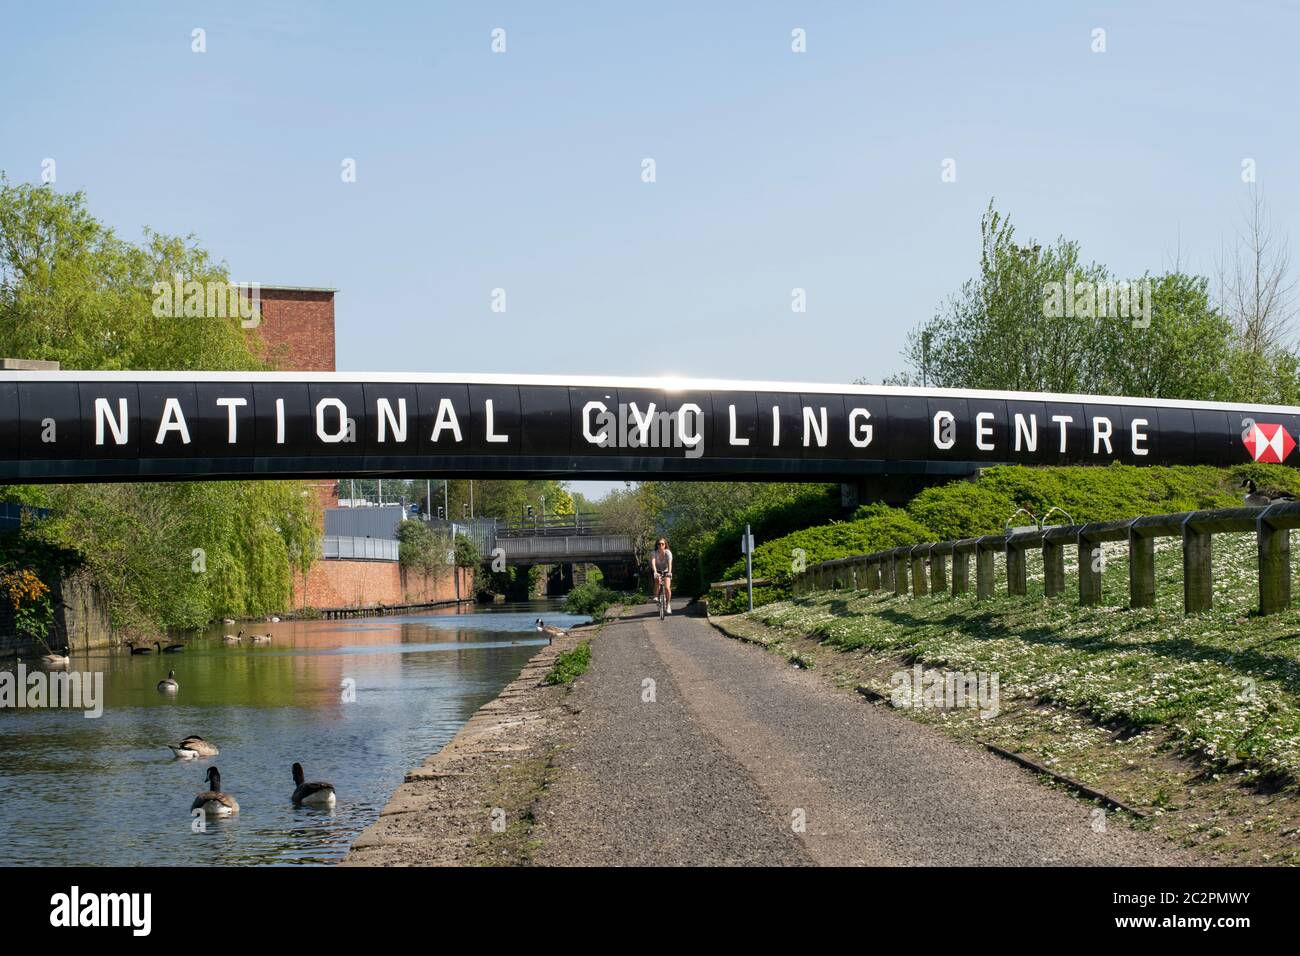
x,y
107,790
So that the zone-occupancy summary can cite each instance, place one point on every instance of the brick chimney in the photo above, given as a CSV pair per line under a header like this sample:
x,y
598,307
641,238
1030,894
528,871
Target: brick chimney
x,y
298,328
298,336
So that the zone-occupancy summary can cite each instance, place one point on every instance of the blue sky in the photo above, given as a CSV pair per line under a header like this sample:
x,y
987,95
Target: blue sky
x,y
774,170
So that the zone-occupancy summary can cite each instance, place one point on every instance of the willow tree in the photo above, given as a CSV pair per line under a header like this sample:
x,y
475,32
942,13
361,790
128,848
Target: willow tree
x,y
163,553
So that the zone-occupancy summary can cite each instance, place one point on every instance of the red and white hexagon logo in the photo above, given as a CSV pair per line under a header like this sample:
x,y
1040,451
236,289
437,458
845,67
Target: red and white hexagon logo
x,y
1269,443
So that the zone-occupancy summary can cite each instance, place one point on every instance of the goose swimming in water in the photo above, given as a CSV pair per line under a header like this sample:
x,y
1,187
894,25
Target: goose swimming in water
x,y
213,802
260,638
233,638
193,747
550,630
169,649
1262,497
229,621
318,794
57,660
168,684
138,650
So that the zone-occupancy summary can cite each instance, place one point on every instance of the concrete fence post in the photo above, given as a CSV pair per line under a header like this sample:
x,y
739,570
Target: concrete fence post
x,y
886,571
873,574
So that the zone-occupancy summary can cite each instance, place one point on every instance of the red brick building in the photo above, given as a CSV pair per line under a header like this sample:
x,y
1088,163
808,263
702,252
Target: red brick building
x,y
298,328
298,336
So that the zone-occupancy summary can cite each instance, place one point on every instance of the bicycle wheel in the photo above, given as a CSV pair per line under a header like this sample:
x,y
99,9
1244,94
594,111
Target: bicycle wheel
x,y
663,602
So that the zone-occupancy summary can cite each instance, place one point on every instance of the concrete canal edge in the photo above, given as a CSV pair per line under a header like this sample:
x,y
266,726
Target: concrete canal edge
x,y
470,803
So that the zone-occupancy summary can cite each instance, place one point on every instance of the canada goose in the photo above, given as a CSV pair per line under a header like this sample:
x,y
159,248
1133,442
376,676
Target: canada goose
x,y
260,638
57,660
1262,497
168,684
233,638
138,650
169,649
550,630
192,747
213,802
318,794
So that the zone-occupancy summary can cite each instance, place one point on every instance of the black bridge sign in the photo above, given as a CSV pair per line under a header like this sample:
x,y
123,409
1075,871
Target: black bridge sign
x,y
108,426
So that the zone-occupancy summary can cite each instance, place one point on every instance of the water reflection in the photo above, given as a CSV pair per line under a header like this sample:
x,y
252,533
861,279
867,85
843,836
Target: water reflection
x,y
109,791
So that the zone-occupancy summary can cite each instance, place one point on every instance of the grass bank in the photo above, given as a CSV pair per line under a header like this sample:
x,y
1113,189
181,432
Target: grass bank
x,y
1193,719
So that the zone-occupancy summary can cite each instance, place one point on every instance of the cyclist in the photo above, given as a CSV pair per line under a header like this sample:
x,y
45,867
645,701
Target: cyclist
x,y
662,564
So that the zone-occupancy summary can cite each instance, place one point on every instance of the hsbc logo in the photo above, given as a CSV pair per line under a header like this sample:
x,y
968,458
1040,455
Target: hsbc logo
x,y
1266,443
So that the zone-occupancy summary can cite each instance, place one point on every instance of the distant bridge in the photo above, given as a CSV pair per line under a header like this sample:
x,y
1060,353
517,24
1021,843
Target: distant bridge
x,y
559,539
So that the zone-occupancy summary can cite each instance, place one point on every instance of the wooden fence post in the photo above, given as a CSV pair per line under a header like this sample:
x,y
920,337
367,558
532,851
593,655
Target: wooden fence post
x,y
1274,565
1141,569
961,565
900,571
984,565
1198,584
939,566
920,583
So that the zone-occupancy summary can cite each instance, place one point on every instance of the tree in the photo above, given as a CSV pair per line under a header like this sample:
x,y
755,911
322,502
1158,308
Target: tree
x,y
163,553
1258,294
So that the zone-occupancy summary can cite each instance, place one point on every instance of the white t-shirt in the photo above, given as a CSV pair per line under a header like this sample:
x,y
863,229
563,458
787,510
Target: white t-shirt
x,y
662,560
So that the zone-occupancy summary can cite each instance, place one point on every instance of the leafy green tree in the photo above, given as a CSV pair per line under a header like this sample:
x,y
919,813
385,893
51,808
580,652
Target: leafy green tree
x,y
163,553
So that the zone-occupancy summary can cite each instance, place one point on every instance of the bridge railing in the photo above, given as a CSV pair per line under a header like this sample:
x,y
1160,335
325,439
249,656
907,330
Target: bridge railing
x,y
576,546
927,564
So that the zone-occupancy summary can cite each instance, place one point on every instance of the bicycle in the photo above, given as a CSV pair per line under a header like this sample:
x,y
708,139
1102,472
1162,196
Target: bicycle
x,y
663,595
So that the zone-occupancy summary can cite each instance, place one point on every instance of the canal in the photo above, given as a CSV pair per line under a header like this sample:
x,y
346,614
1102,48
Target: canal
x,y
357,702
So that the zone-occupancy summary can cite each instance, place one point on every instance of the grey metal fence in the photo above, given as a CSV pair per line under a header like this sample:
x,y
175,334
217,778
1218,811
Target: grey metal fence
x,y
890,570
368,549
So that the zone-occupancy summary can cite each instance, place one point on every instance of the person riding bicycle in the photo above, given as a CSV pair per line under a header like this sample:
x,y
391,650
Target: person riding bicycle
x,y
662,564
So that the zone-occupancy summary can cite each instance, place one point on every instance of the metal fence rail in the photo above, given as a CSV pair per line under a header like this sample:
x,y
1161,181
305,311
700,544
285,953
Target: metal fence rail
x,y
566,546
889,570
367,549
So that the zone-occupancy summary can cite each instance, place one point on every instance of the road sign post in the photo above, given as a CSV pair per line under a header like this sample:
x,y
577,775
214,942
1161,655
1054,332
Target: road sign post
x,y
747,546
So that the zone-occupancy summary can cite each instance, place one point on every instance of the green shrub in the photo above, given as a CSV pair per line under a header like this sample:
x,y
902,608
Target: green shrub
x,y
570,665
591,598
886,528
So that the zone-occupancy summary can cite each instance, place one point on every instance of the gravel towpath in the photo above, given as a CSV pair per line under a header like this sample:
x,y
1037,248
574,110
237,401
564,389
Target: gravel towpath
x,y
732,756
